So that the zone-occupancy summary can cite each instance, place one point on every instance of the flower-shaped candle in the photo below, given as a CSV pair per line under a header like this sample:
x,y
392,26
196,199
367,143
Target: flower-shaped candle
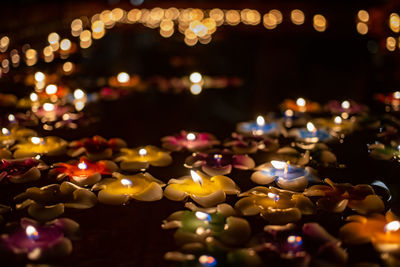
x,y
48,202
142,157
258,127
50,146
301,105
219,163
337,124
51,112
383,231
349,107
251,144
21,170
96,148
9,136
286,175
274,205
384,152
83,172
122,188
204,190
195,226
191,141
336,197
310,134
41,241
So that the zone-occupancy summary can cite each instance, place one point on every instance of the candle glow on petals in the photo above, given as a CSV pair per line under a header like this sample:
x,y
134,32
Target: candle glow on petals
x,y
260,121
280,165
190,136
310,127
392,226
196,177
203,216
289,113
274,197
126,182
123,77
31,232
142,152
82,165
301,102
36,140
346,104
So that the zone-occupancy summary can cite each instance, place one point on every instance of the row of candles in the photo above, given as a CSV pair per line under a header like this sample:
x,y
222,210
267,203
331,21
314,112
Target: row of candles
x,y
275,205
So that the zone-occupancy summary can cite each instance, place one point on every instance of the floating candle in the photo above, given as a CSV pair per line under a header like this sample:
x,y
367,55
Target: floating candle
x,y
337,124
384,152
310,134
219,162
9,136
336,197
21,170
142,158
191,141
258,127
122,188
275,205
50,146
96,148
83,172
383,231
48,202
349,107
241,144
204,190
300,105
286,175
41,241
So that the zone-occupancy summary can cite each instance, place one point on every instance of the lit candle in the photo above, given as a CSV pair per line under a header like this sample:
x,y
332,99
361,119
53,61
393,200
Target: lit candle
x,y
258,127
142,158
284,174
310,134
300,105
83,172
122,188
275,205
39,242
9,136
384,152
204,190
124,80
189,141
50,146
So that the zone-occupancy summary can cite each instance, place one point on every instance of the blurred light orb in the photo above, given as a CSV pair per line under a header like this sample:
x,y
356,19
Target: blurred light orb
x,y
297,17
196,89
195,77
39,76
33,97
53,38
396,95
345,104
362,28
51,89
48,107
68,66
123,77
65,44
363,15
301,102
136,2
79,94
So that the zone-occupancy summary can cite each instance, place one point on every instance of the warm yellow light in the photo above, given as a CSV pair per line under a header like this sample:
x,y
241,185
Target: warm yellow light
x,y
68,66
123,77
390,43
195,77
260,121
126,182
48,107
394,22
270,22
79,94
338,120
31,53
53,38
297,16
319,23
345,104
190,136
396,95
39,76
310,127
65,44
301,102
202,215
82,165
196,89
277,14
51,89
232,17
5,131
362,28
277,164
36,140
392,226
33,97
363,15
4,42
85,36
31,232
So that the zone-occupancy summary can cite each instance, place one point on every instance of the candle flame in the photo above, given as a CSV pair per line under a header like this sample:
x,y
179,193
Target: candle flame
x,y
338,120
273,196
196,177
260,121
301,102
79,94
48,107
289,113
82,165
36,140
5,131
51,89
34,97
123,77
31,232
206,260
39,76
218,157
311,128
11,118
392,226
202,216
195,77
396,95
280,165
126,182
295,240
142,152
346,104
190,136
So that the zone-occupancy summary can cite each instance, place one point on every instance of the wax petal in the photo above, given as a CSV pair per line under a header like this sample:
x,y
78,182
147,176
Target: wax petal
x,y
112,199
272,229
370,204
331,205
82,199
318,233
173,194
247,207
281,216
227,184
332,252
152,193
244,257
183,237
105,154
178,256
211,199
31,175
304,204
261,177
354,233
5,153
297,184
211,170
45,213
193,247
243,162
134,165
356,218
328,157
164,160
85,181
237,231
317,190
390,216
